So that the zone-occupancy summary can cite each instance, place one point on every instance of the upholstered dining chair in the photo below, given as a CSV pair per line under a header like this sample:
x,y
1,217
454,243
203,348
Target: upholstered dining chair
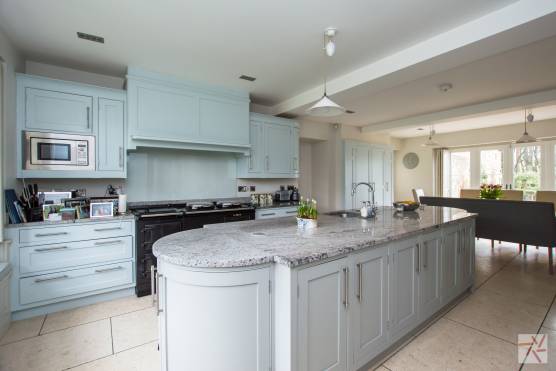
x,y
469,193
546,196
512,195
417,194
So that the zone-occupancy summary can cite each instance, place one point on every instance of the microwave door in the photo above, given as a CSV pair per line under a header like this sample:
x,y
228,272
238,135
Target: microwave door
x,y
53,152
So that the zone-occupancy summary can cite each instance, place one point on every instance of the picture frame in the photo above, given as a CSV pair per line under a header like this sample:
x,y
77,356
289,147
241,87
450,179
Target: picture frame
x,y
83,211
51,212
99,210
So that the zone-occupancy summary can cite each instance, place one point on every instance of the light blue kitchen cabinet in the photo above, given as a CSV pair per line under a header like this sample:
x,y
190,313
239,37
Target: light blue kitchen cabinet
x,y
274,151
58,111
295,150
429,275
166,112
56,106
403,288
111,135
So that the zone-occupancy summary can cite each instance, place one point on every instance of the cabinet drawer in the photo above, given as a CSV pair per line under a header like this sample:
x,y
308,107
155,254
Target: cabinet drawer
x,y
46,257
75,232
276,213
74,282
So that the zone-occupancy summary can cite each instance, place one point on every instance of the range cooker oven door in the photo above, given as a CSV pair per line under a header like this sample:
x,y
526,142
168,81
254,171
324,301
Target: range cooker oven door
x,y
148,232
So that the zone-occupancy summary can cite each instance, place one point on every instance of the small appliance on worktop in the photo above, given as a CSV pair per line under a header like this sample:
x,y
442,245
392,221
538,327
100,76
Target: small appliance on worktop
x,y
154,221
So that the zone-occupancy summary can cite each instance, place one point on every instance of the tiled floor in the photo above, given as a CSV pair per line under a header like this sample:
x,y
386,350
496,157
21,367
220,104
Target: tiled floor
x,y
514,294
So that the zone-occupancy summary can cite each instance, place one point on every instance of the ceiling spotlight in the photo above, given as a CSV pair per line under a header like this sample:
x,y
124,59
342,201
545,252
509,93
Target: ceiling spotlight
x,y
445,87
329,45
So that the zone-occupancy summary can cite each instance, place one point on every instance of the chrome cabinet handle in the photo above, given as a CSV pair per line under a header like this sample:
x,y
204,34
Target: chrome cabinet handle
x,y
44,249
51,234
238,214
268,214
295,163
109,269
88,116
360,276
418,268
107,229
40,280
113,242
157,215
426,254
346,287
267,159
158,310
291,212
250,159
121,157
386,186
153,272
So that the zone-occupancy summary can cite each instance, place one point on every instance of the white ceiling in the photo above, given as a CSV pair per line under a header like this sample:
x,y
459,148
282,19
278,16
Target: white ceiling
x,y
478,122
216,41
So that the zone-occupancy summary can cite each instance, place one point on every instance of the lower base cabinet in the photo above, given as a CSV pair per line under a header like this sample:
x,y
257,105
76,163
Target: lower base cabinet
x,y
352,309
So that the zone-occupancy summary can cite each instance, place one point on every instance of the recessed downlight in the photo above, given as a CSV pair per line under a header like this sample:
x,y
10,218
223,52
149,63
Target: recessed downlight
x,y
350,111
420,129
89,37
248,78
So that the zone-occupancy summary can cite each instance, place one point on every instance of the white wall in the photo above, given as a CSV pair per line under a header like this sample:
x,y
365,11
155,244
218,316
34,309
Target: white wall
x,y
421,177
305,168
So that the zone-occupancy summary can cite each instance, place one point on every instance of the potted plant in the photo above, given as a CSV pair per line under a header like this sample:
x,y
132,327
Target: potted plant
x,y
307,214
491,191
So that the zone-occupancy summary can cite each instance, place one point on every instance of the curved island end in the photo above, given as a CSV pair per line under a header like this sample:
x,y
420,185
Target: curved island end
x,y
260,295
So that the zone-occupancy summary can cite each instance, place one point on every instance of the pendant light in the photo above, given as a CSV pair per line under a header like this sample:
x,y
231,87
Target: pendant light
x,y
326,107
430,142
526,138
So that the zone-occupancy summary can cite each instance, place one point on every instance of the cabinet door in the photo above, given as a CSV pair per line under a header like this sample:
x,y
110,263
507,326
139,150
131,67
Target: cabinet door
x,y
56,111
429,275
322,317
256,153
450,261
369,311
388,186
160,112
377,174
466,257
403,288
360,173
295,150
110,140
228,313
278,149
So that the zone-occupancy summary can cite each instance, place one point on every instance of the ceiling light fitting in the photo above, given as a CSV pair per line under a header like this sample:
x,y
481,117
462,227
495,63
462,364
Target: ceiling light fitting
x,y
526,138
248,78
329,45
431,142
325,107
445,87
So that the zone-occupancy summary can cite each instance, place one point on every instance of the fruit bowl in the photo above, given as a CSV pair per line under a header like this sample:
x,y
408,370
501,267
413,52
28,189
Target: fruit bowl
x,y
406,205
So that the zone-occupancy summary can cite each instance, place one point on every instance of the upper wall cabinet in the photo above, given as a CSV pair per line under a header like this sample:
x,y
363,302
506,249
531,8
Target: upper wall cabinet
x,y
274,151
166,112
53,106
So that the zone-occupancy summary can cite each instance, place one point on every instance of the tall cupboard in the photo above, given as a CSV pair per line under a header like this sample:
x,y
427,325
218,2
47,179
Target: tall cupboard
x,y
370,163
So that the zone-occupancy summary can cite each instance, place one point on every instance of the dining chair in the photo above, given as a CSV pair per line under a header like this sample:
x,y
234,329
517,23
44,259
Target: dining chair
x,y
417,194
469,193
512,195
546,196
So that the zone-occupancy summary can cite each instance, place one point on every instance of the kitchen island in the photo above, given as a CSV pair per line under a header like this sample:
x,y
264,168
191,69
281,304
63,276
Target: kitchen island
x,y
261,295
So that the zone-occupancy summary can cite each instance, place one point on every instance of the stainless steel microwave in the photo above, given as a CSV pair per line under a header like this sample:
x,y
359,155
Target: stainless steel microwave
x,y
53,151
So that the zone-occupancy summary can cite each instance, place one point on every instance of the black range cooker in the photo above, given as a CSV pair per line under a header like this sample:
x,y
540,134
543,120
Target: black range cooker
x,y
156,221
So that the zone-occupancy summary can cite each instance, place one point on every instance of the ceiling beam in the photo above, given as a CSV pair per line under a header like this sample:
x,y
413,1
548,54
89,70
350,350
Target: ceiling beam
x,y
487,26
521,101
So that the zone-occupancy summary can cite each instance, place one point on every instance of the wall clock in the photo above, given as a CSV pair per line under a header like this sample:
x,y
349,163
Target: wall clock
x,y
410,160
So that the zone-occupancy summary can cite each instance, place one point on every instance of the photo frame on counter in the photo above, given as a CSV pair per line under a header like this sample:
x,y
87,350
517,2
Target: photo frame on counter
x,y
105,199
99,210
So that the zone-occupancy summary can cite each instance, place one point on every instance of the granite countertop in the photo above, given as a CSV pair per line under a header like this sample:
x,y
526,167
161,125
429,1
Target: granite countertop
x,y
277,240
76,221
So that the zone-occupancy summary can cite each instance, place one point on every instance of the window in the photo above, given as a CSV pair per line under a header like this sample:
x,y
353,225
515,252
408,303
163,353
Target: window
x,y
460,172
527,170
492,166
